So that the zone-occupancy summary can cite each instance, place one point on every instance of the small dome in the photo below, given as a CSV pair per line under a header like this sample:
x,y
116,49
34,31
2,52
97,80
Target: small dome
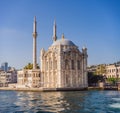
x,y
63,42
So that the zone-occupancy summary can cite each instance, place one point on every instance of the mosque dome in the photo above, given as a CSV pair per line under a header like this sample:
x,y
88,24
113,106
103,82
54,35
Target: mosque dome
x,y
63,42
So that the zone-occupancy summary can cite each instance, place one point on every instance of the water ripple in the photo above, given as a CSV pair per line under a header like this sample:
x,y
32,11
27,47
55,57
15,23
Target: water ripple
x,y
60,102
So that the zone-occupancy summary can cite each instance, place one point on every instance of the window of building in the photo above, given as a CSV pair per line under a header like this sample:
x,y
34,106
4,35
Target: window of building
x,y
50,64
55,64
110,70
117,70
66,64
67,80
72,64
46,66
78,64
33,74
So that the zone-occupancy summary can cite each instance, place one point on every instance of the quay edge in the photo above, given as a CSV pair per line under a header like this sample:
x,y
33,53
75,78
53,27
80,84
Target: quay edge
x,y
42,89
56,89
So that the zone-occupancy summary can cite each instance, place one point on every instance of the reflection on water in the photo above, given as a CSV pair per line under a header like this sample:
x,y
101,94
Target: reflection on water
x,y
49,101
60,102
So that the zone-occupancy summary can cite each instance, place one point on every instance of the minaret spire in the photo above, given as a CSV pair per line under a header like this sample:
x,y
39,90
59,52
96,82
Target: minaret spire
x,y
35,27
63,36
34,43
54,31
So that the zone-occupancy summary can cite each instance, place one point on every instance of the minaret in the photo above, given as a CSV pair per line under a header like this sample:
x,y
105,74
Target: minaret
x,y
85,56
63,36
34,43
54,31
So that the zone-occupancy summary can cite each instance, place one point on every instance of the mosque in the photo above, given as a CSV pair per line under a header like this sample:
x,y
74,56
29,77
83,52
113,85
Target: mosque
x,y
62,67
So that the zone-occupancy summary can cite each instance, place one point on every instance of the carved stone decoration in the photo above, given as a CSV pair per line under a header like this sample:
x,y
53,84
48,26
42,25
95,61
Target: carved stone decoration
x,y
68,68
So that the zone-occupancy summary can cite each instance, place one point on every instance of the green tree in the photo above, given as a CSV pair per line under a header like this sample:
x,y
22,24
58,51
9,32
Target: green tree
x,y
30,66
94,79
112,80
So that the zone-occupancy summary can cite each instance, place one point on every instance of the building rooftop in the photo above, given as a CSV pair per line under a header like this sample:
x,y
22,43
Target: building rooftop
x,y
63,42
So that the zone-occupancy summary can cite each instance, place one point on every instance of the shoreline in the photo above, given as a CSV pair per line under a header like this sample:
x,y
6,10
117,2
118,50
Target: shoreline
x,y
21,89
55,89
42,89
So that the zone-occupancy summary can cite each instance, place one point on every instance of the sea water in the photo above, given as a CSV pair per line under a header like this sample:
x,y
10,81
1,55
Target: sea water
x,y
60,102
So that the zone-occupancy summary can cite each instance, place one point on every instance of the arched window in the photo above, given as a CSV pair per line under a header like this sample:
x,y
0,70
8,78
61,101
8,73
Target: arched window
x,y
117,70
46,65
66,64
51,64
72,64
78,64
66,79
55,64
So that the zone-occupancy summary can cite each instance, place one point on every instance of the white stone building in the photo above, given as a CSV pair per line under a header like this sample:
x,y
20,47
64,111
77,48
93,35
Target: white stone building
x,y
63,65
112,71
5,77
13,77
28,78
8,77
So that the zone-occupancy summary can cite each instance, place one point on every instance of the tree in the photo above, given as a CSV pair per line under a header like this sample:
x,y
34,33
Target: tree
x,y
30,66
94,79
112,80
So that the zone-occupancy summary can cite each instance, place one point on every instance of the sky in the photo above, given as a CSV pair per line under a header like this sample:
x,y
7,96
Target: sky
x,y
91,23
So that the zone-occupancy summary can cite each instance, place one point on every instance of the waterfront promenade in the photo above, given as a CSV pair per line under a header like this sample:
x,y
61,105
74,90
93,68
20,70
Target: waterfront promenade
x,y
59,89
21,89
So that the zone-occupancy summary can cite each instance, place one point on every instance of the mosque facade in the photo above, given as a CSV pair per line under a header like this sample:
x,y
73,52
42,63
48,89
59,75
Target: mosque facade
x,y
62,66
